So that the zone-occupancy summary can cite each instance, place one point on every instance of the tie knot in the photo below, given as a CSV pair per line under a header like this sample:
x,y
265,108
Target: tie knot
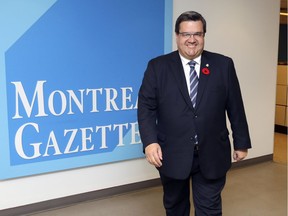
x,y
192,64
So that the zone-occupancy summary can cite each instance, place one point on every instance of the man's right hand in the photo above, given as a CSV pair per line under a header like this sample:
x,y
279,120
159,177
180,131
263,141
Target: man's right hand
x,y
153,154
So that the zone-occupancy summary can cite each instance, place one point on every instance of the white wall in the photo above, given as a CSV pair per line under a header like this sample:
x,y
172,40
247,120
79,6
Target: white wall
x,y
245,30
27,190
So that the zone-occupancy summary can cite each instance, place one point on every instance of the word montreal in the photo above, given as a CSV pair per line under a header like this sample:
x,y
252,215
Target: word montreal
x,y
113,100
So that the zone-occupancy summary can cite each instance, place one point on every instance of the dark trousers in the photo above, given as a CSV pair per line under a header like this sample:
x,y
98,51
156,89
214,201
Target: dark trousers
x,y
206,194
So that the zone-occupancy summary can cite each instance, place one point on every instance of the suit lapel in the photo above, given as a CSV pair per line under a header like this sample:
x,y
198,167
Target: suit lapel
x,y
178,72
204,78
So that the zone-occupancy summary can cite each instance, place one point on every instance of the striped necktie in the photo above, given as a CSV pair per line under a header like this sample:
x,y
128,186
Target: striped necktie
x,y
193,82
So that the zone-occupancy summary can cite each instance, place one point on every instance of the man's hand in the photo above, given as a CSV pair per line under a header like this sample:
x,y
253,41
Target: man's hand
x,y
239,155
154,154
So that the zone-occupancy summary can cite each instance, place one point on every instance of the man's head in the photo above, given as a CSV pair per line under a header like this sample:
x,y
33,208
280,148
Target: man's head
x,y
190,29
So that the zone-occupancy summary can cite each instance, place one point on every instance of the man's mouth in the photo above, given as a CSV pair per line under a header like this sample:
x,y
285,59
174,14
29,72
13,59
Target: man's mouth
x,y
192,45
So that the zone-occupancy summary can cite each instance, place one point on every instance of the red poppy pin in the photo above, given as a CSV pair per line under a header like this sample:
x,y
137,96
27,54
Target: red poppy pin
x,y
206,70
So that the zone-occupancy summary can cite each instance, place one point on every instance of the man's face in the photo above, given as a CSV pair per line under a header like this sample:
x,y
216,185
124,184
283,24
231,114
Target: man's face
x,y
190,46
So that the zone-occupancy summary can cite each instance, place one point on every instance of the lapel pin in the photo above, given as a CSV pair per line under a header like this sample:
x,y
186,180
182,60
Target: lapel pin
x,y
205,70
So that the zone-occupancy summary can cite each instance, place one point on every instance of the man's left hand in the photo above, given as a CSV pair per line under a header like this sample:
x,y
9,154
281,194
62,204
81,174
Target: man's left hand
x,y
239,155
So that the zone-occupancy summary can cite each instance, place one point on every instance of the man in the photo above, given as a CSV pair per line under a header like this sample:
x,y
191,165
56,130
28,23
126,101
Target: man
x,y
182,120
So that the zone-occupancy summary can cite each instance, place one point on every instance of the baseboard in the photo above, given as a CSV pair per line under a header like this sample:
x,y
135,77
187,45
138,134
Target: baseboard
x,y
100,194
281,129
252,161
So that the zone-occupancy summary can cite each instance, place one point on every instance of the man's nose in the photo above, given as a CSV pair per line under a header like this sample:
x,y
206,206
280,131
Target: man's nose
x,y
191,39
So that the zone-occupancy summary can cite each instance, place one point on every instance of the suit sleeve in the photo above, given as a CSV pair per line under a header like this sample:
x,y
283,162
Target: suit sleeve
x,y
236,112
147,107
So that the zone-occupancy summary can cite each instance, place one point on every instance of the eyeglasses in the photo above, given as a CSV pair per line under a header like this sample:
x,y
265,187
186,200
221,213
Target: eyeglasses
x,y
196,35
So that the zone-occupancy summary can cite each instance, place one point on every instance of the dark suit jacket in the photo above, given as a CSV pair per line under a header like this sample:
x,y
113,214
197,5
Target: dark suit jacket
x,y
166,115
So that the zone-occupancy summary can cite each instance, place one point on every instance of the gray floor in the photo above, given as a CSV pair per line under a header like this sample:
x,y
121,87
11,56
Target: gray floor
x,y
256,190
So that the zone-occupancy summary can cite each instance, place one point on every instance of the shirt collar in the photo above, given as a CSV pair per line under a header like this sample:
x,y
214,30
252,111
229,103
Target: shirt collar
x,y
186,61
